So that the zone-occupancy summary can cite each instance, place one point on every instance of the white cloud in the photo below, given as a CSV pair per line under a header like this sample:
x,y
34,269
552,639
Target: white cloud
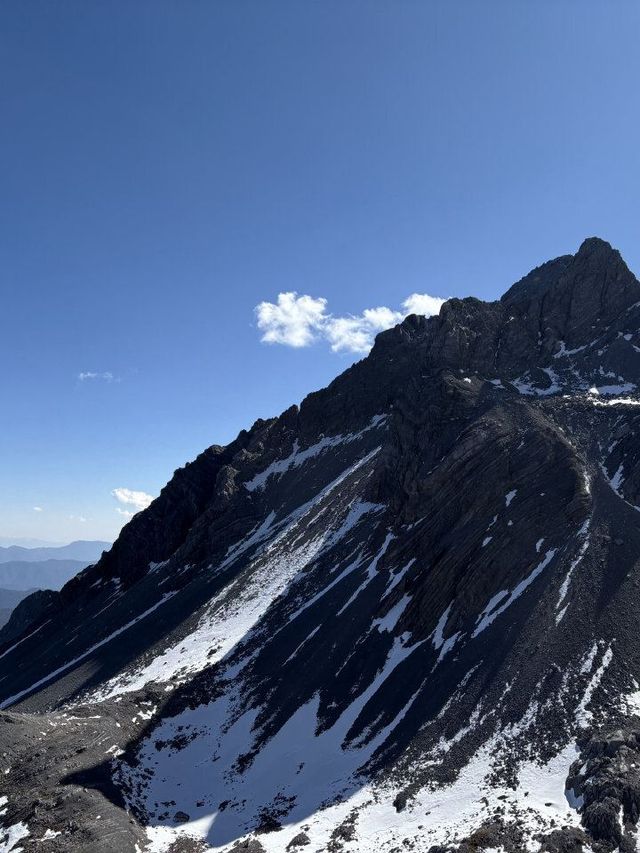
x,y
348,333
37,509
356,334
298,321
105,376
77,518
129,497
292,321
124,512
422,303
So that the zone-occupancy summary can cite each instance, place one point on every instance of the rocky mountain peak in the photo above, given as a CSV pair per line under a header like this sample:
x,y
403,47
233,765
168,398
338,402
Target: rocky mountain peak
x,y
536,283
596,246
595,288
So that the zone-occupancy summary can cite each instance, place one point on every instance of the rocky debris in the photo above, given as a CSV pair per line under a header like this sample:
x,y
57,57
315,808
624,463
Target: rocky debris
x,y
511,837
566,841
605,782
344,833
492,835
602,821
250,845
50,760
299,840
187,845
181,817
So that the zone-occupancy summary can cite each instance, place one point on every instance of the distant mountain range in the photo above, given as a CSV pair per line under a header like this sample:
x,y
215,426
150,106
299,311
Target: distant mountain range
x,y
24,570
28,542
86,551
9,600
46,574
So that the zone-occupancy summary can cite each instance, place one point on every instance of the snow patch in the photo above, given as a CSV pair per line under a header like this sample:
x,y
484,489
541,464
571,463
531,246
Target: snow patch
x,y
584,717
583,534
235,611
563,351
298,457
389,622
10,836
489,614
395,579
607,390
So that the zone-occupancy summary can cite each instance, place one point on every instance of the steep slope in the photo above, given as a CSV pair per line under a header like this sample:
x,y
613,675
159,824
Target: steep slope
x,y
402,616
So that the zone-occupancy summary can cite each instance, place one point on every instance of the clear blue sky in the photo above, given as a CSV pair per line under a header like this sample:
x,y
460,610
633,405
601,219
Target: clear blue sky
x,y
167,166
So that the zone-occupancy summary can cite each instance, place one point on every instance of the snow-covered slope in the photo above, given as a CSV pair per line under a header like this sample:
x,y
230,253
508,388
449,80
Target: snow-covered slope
x,y
402,616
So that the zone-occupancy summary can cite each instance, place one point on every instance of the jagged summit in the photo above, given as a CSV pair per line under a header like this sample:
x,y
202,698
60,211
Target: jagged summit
x,y
593,251
536,283
400,616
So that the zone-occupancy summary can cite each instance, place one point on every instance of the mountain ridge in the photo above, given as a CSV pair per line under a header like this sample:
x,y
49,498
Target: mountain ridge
x,y
41,574
87,550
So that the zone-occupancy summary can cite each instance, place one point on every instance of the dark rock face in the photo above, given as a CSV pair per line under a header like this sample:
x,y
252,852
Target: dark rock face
x,y
606,782
299,840
29,611
154,535
387,619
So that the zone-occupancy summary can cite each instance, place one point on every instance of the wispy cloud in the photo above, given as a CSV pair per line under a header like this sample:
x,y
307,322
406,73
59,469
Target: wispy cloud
x,y
299,321
37,509
77,518
104,376
125,512
129,497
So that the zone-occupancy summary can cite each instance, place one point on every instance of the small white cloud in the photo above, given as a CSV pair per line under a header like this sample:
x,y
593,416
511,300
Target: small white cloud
x,y
77,518
298,321
105,376
124,512
382,318
356,334
129,497
348,333
37,509
293,320
422,303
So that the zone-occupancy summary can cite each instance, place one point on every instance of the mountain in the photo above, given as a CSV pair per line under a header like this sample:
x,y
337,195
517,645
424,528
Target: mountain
x,y
85,551
9,599
35,569
403,616
26,542
46,574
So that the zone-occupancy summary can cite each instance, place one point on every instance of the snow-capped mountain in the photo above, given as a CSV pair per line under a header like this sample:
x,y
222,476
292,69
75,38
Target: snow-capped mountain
x,y
403,616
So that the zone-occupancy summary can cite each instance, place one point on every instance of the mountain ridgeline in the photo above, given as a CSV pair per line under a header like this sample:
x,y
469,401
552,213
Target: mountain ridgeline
x,y
402,616
82,550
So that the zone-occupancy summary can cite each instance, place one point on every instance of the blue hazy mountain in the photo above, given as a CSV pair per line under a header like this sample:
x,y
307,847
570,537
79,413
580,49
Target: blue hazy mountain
x,y
85,551
45,574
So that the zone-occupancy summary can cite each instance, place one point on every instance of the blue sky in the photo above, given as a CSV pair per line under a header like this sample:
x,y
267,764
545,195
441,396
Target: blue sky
x,y
166,167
